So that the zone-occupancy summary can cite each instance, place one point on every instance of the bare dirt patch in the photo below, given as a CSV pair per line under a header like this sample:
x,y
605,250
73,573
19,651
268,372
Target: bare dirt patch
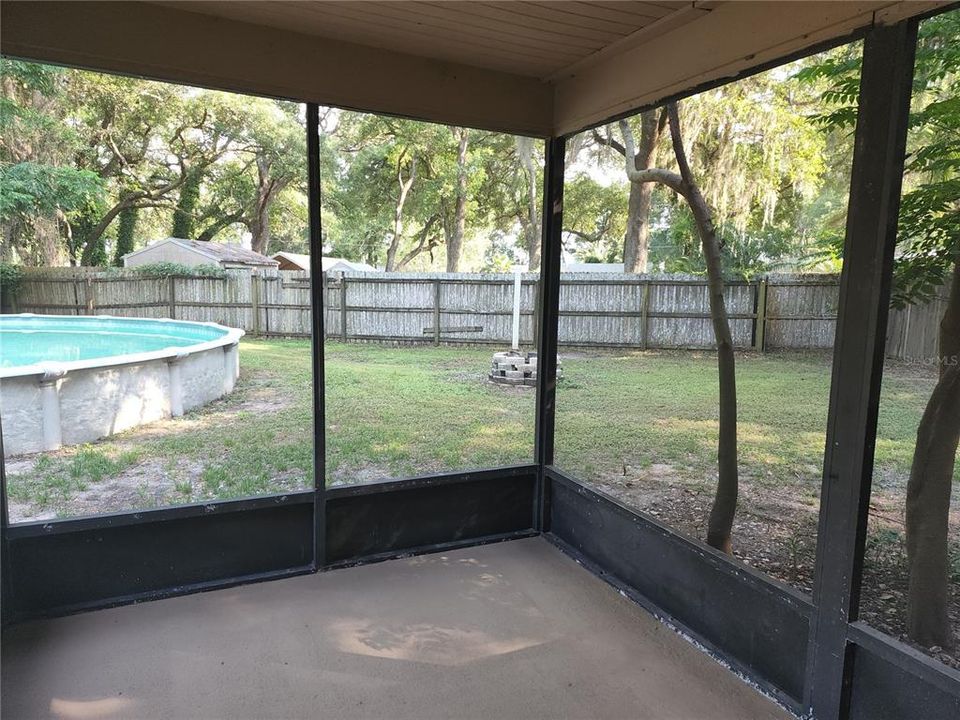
x,y
142,486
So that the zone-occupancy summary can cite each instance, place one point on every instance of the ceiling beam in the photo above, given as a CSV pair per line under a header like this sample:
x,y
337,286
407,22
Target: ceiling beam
x,y
176,45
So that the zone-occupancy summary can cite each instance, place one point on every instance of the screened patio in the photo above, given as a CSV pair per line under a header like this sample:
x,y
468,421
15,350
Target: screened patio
x,y
517,591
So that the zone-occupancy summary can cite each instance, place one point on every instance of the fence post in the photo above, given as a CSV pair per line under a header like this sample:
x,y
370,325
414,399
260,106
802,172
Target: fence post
x,y
645,315
760,321
89,295
343,307
436,311
76,296
172,296
255,301
324,293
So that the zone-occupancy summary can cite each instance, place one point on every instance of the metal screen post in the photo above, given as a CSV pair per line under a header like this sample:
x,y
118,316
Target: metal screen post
x,y
317,299
871,235
549,311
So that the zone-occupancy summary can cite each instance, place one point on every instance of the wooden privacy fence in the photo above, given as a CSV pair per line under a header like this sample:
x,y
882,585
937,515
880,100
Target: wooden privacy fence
x,y
596,309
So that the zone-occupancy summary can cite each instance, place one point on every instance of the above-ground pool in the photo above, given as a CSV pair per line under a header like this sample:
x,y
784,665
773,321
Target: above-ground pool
x,y
69,380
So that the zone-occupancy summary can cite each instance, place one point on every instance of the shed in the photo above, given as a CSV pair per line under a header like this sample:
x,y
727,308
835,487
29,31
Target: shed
x,y
198,252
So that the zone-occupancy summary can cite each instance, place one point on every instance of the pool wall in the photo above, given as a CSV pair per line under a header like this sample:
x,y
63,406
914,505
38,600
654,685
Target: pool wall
x,y
43,407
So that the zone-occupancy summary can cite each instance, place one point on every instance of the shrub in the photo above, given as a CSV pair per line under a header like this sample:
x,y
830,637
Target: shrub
x,y
168,269
10,277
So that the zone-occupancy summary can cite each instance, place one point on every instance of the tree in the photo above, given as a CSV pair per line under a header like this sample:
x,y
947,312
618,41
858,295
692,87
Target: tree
x,y
636,245
267,155
594,220
720,523
184,212
458,226
928,257
136,134
431,173
42,192
758,154
529,217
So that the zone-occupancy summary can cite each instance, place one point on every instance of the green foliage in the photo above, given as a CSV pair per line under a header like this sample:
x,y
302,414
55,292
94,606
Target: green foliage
x,y
77,147
171,269
183,213
32,190
775,179
929,222
10,278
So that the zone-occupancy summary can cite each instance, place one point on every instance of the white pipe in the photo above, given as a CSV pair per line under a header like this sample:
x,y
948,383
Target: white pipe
x,y
518,274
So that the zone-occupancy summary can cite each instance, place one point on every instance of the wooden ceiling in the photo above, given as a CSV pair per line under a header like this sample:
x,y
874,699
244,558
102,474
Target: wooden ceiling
x,y
534,68
535,39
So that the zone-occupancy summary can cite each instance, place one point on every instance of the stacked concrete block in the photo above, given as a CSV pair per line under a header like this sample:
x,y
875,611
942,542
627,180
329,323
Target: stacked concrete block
x,y
515,368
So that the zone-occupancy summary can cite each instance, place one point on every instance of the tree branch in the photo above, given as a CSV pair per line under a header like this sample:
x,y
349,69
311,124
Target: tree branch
x,y
658,175
609,142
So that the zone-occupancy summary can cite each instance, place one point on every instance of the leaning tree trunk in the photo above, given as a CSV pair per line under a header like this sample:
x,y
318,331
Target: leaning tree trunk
x,y
720,524
929,487
404,189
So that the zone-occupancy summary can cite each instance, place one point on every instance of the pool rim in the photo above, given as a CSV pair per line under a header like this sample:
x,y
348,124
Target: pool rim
x,y
52,368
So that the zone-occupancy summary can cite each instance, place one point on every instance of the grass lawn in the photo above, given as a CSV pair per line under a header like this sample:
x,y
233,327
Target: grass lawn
x,y
640,426
394,412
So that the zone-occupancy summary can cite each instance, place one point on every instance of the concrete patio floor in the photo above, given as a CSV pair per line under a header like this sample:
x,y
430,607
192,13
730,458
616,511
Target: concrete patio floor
x,y
510,630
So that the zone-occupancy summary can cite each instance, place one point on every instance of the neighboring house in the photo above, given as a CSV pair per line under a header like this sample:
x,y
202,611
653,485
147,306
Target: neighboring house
x,y
592,267
199,252
296,261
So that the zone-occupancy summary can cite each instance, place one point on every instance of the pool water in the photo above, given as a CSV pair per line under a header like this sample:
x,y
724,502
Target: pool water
x,y
28,340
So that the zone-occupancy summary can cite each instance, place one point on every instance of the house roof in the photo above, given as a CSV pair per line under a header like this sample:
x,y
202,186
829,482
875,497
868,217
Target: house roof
x,y
231,253
228,252
592,267
299,259
326,262
534,68
332,262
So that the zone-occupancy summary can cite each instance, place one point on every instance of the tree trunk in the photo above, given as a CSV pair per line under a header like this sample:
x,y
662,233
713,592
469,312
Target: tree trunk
x,y
126,234
455,241
636,239
404,189
720,524
530,218
268,188
184,214
929,488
